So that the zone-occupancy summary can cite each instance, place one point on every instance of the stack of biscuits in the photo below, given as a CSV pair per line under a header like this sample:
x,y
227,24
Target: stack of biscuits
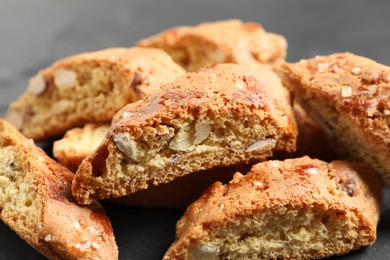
x,y
272,160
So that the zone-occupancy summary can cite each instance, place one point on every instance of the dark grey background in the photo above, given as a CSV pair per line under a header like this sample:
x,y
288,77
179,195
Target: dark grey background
x,y
33,34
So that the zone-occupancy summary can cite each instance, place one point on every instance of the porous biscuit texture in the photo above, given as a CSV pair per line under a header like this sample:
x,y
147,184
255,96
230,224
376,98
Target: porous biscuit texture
x,y
78,143
89,88
349,95
228,41
222,115
299,208
36,202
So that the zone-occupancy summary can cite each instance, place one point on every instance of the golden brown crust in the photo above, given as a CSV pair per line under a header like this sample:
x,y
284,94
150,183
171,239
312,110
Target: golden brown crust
x,y
78,143
89,88
240,105
345,196
61,228
229,41
350,95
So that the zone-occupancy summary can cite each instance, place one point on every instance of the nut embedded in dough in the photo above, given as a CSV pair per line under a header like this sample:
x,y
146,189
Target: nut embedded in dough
x,y
64,78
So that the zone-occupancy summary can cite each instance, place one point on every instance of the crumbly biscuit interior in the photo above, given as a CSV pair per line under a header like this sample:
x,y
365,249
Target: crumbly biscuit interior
x,y
91,92
18,196
165,152
307,232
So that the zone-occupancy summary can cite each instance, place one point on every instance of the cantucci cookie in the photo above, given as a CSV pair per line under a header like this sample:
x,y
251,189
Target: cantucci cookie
x,y
36,202
78,143
350,96
226,41
220,116
294,209
89,88
180,192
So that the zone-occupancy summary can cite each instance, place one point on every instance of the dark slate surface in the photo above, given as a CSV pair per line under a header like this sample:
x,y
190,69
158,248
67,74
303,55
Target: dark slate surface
x,y
33,34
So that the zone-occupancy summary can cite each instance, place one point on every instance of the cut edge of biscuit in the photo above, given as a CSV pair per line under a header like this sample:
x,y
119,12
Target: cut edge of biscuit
x,y
213,227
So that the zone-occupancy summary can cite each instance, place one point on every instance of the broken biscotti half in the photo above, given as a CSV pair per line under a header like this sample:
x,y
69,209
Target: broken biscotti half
x,y
294,209
78,143
349,96
89,88
36,202
229,41
219,116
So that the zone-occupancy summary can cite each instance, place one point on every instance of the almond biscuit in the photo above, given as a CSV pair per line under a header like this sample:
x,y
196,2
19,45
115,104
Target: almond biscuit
x,y
219,116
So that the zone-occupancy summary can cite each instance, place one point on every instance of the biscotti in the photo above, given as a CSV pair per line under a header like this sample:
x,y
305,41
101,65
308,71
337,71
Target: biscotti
x,y
219,116
180,192
349,95
89,88
36,202
294,209
78,143
312,140
229,41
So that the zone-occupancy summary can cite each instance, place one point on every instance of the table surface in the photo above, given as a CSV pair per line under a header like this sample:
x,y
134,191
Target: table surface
x,y
36,33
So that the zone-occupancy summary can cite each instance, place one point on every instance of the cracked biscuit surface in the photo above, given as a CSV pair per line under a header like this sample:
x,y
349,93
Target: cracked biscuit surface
x,y
228,41
36,202
219,116
349,95
89,88
294,209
